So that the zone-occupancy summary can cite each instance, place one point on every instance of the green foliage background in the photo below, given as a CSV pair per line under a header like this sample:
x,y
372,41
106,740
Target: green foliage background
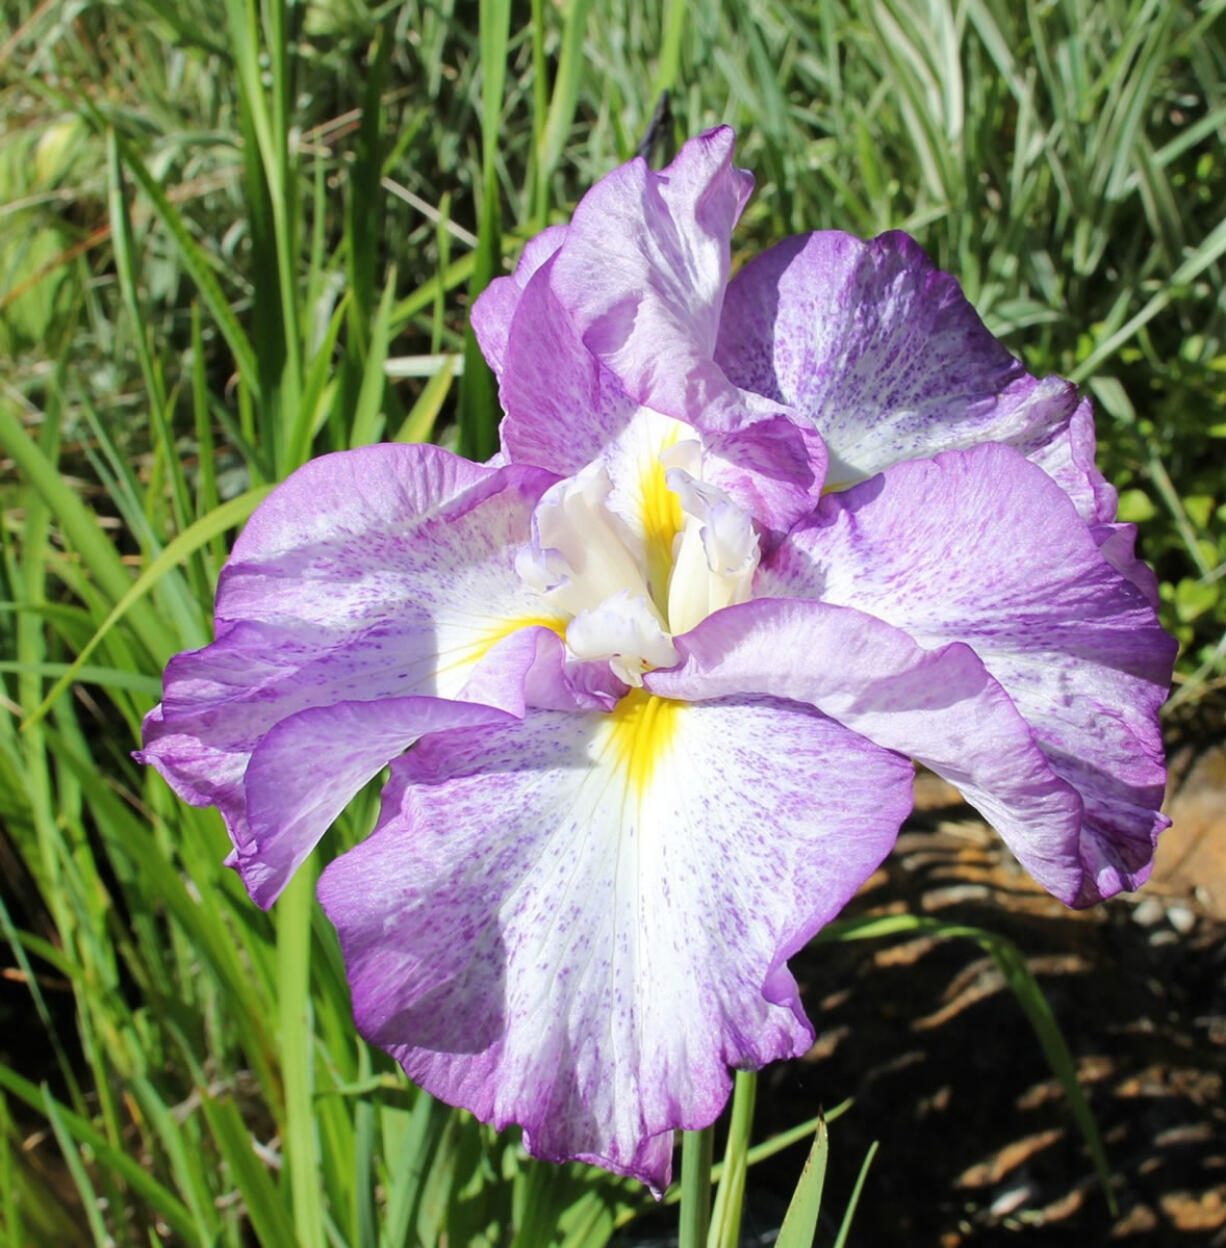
x,y
235,234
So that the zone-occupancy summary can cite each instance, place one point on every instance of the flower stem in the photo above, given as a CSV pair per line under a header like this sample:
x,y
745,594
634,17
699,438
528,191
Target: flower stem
x,y
697,1150
293,919
730,1203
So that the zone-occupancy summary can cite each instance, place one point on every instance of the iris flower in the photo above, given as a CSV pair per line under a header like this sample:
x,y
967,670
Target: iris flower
x,y
749,549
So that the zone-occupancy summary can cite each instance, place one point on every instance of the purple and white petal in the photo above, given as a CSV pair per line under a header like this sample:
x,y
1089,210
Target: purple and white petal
x,y
568,402
642,275
773,468
374,575
562,406
308,768
1067,455
982,547
1118,543
578,923
941,707
883,354
496,305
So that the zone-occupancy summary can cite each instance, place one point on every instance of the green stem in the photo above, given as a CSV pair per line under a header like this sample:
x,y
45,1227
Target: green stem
x,y
294,977
697,1152
729,1204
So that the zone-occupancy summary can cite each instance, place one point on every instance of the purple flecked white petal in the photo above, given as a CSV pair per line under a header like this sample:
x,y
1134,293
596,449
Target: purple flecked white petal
x,y
883,354
1065,454
308,767
941,707
647,254
772,468
562,406
377,575
981,547
576,925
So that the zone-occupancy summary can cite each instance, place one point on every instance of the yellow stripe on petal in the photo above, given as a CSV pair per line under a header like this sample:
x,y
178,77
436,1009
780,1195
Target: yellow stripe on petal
x,y
660,509
469,653
507,627
641,731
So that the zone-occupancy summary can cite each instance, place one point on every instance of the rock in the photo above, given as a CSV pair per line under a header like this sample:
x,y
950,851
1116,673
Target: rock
x,y
1149,911
1181,918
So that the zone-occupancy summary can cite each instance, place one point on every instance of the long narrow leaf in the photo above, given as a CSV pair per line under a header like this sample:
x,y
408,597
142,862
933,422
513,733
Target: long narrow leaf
x,y
149,1190
799,1227
197,535
197,264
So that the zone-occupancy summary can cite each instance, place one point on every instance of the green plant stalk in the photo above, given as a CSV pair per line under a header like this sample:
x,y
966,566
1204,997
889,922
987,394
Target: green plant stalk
x,y
78,525
669,66
271,129
697,1153
478,414
538,209
293,921
730,1200
129,282
563,101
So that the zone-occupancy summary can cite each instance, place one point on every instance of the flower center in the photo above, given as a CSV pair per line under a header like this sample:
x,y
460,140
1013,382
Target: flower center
x,y
637,548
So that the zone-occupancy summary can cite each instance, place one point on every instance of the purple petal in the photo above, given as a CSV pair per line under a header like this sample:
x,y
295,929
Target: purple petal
x,y
1066,455
1117,544
307,769
884,355
647,253
564,409
369,576
983,548
940,707
562,406
773,468
495,307
642,277
578,922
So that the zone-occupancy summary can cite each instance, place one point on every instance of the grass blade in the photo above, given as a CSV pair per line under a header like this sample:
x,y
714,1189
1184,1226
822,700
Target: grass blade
x,y
155,1196
478,407
850,1213
269,1219
197,263
197,535
80,527
799,1227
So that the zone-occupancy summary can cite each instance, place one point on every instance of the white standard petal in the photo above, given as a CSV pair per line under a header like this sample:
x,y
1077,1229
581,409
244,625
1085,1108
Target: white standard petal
x,y
625,629
580,552
716,555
